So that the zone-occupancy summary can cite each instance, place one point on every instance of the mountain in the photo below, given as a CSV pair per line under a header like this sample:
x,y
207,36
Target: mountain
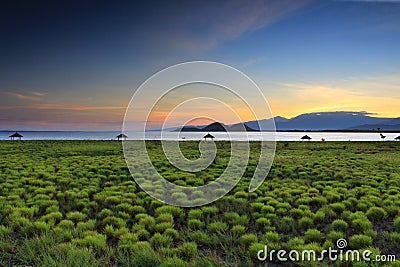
x,y
240,126
217,127
339,120
266,124
330,121
279,119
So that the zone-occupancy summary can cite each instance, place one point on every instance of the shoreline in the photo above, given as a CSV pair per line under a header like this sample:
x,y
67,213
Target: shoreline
x,y
197,141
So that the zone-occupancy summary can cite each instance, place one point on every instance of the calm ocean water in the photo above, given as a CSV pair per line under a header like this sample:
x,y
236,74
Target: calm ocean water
x,y
253,136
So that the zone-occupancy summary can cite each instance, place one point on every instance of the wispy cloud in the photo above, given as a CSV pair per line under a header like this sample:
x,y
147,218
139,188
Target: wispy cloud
x,y
60,106
378,85
227,21
31,95
36,93
252,61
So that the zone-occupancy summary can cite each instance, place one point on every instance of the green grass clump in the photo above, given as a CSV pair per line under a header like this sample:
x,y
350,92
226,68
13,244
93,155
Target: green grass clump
x,y
142,233
286,225
175,211
195,224
187,250
319,217
165,217
262,222
295,243
340,225
200,238
231,218
114,221
312,235
76,216
335,235
248,239
305,223
85,226
173,262
254,249
237,230
195,214
172,233
162,227
161,240
396,224
5,231
271,237
139,254
66,224
127,241
217,227
296,213
361,224
338,207
92,240
376,214
147,221
267,209
360,241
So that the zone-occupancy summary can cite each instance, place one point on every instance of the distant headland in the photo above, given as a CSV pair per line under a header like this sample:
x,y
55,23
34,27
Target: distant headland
x,y
217,127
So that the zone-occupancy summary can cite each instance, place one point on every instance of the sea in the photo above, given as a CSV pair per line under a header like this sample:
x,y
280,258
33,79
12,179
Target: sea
x,y
237,136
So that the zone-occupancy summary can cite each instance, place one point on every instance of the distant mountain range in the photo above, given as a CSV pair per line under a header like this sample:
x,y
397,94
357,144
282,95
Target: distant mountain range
x,y
317,121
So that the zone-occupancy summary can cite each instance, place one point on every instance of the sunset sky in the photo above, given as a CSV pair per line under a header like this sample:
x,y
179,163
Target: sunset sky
x,y
74,65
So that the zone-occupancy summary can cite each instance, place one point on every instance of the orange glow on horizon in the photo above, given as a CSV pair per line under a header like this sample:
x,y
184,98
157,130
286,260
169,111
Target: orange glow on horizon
x,y
316,98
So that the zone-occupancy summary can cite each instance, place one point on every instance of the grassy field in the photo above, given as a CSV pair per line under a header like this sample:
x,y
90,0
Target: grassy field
x,y
74,203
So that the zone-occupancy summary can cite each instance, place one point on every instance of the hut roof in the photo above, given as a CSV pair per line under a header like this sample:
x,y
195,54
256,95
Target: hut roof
x,y
306,137
16,134
122,135
209,136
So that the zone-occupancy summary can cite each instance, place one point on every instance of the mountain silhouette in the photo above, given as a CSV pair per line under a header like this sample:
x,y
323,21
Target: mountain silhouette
x,y
217,127
338,120
316,121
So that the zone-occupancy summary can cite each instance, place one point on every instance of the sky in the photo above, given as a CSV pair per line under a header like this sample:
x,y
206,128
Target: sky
x,y
74,65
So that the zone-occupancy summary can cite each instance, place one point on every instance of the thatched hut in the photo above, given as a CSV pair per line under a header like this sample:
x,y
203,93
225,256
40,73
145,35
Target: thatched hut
x,y
306,137
16,135
208,136
122,136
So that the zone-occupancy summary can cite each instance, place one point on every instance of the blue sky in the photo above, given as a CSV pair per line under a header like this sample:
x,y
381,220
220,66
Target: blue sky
x,y
75,64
